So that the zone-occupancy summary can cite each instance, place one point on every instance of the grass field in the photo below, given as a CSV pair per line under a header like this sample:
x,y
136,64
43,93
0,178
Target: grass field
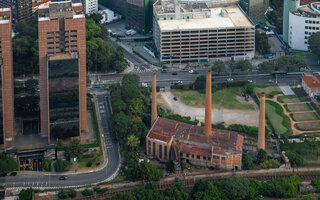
x,y
297,107
304,116
221,98
276,120
289,99
267,89
308,126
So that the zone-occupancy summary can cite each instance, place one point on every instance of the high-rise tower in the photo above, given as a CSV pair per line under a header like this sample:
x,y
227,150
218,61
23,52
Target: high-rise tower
x,y
62,62
7,101
288,6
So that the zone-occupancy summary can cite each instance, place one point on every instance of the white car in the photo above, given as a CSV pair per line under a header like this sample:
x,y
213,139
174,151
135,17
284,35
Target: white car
x,y
230,79
270,81
191,71
250,81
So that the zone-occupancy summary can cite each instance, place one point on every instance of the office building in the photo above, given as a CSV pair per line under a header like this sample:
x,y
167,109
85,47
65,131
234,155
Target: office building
x,y
303,22
288,7
90,6
118,6
6,98
172,140
5,3
24,9
139,15
201,32
62,62
255,9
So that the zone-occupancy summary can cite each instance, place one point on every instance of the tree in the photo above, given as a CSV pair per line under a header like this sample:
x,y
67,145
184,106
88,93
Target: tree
x,y
72,193
268,66
61,165
170,166
218,66
87,192
236,188
130,92
272,163
247,163
204,190
200,83
262,156
149,173
75,150
261,42
131,79
133,142
249,89
26,194
244,65
314,43
232,66
63,194
121,124
97,17
294,158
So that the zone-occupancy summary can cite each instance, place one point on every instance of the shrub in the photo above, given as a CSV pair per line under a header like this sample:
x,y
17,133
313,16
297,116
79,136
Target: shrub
x,y
61,165
63,194
87,192
316,184
280,188
26,194
294,158
272,163
72,193
100,190
89,163
47,165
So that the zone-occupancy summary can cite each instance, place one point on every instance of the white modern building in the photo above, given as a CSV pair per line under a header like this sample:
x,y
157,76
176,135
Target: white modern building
x,y
302,24
108,16
201,31
90,6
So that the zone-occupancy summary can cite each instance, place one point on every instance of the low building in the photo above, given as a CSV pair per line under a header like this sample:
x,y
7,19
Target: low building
x,y
108,16
201,32
303,22
311,85
169,139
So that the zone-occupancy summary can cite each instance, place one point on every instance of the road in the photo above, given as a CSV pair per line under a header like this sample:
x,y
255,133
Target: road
x,y
166,79
47,180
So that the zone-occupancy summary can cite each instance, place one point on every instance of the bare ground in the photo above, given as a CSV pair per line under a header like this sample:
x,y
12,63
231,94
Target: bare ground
x,y
228,116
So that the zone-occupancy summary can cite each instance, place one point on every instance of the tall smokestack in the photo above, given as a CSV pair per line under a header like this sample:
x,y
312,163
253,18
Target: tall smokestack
x,y
262,122
208,111
154,99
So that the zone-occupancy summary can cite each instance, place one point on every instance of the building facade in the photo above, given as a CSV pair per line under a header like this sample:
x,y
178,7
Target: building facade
x,y
288,6
24,9
255,9
90,6
311,85
7,97
195,32
5,3
302,24
62,62
139,15
116,5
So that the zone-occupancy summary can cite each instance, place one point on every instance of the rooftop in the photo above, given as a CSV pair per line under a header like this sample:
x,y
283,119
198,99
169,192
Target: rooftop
x,y
309,10
190,136
220,17
63,56
311,81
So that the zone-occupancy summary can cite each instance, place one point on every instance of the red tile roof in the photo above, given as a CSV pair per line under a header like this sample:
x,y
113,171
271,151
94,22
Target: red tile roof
x,y
307,1
221,141
39,3
311,81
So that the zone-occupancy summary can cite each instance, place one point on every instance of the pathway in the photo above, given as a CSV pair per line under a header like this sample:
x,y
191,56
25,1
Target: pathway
x,y
295,131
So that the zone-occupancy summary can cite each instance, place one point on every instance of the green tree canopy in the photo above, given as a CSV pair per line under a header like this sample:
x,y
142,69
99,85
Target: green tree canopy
x,y
261,42
236,188
314,43
218,66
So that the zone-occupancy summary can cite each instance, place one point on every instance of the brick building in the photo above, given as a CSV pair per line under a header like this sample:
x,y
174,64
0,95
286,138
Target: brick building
x,y
311,85
62,62
198,145
7,100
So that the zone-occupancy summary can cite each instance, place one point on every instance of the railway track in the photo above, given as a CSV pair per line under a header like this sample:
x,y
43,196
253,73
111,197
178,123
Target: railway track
x,y
189,183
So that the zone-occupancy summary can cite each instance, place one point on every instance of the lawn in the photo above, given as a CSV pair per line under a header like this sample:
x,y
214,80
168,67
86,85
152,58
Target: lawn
x,y
308,126
221,99
269,90
276,120
289,99
305,54
297,107
304,116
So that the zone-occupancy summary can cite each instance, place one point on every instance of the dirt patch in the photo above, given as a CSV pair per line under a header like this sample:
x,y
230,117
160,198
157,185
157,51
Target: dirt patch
x,y
228,116
90,137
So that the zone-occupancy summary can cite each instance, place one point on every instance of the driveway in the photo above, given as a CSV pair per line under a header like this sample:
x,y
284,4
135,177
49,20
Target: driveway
x,y
228,116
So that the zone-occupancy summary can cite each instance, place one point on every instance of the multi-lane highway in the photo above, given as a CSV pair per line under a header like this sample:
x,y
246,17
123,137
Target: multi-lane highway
x,y
49,180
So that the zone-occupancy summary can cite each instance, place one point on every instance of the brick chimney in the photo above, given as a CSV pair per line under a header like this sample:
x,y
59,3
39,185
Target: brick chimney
x,y
208,111
262,122
154,114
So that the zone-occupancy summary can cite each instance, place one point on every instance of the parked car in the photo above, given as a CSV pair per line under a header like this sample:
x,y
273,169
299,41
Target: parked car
x,y
174,73
13,174
164,71
250,81
3,174
175,98
195,72
191,71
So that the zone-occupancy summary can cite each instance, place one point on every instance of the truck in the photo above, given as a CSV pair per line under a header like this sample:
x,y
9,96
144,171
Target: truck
x,y
131,32
268,56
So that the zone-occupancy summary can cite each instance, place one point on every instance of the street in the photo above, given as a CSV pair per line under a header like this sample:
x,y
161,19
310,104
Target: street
x,y
49,180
